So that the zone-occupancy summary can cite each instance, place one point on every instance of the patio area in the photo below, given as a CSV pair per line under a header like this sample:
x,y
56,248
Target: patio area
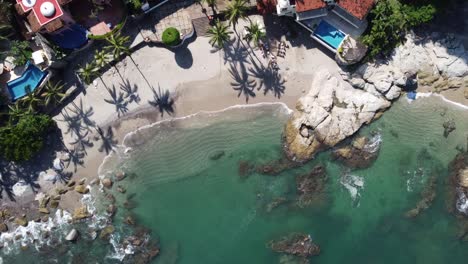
x,y
98,18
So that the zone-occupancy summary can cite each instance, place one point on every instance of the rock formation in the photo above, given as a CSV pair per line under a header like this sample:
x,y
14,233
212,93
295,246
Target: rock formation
x,y
331,111
300,245
361,153
436,61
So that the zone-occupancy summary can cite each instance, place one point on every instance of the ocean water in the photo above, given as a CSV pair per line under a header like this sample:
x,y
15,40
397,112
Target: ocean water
x,y
201,210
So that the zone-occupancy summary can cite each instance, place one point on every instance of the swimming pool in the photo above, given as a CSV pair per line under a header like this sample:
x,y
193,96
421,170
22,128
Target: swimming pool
x,y
329,34
32,77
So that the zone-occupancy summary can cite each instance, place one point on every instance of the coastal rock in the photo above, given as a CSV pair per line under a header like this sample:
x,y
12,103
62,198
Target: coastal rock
x,y
107,183
121,189
217,155
111,209
72,235
71,183
106,232
44,210
463,176
81,189
80,213
360,154
82,181
120,175
54,203
21,221
331,111
393,93
449,127
296,244
311,186
3,228
129,220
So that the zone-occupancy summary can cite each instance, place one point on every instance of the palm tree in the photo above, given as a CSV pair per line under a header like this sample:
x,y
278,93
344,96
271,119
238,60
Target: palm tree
x,y
30,101
88,72
102,58
118,46
220,34
236,10
212,4
254,33
15,113
53,93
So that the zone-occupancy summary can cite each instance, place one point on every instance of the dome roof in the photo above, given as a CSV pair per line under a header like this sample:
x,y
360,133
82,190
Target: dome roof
x,y
47,9
28,3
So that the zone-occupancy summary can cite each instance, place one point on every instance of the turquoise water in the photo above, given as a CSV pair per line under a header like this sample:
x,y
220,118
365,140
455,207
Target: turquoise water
x,y
202,211
31,77
329,34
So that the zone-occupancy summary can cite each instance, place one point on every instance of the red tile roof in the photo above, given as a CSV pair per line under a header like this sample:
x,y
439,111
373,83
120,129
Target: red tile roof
x,y
357,8
306,5
266,6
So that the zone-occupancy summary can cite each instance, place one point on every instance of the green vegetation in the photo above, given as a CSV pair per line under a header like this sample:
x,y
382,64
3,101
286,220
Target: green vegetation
x,y
254,33
21,51
236,10
21,141
390,20
88,72
219,34
171,36
134,5
53,93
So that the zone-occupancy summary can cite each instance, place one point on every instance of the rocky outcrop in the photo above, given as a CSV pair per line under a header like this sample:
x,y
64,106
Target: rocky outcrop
x,y
437,61
300,245
72,235
330,112
361,153
311,186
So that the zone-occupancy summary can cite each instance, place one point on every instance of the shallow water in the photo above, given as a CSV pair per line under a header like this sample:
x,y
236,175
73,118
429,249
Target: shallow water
x,y
203,212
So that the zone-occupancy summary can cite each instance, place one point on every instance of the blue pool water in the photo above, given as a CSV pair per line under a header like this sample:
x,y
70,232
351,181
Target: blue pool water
x,y
31,77
329,34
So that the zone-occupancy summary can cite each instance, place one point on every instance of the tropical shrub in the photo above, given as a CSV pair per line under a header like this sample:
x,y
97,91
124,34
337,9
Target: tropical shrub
x,y
389,21
21,141
171,36
21,51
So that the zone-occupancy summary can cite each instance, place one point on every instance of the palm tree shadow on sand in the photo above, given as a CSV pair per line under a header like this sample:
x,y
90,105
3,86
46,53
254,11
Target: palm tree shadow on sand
x,y
107,139
130,92
241,81
269,79
118,100
162,101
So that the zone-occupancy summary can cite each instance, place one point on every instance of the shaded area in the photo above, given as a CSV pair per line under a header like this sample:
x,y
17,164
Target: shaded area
x,y
162,101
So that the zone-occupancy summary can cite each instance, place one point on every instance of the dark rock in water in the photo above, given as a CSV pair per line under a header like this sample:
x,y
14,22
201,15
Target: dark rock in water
x,y
291,259
106,182
296,244
275,203
121,189
311,186
120,176
458,180
129,220
276,167
217,155
129,204
106,232
111,209
110,197
3,228
360,154
427,197
449,127
245,169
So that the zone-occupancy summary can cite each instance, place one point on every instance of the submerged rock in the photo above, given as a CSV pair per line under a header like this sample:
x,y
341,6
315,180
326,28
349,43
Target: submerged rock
x,y
311,186
120,175
107,183
245,169
427,197
361,153
217,155
106,232
449,127
296,244
276,167
331,111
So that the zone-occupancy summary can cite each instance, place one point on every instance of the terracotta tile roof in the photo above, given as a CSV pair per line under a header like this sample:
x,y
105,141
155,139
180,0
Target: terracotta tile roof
x,y
19,10
357,8
266,6
50,27
306,5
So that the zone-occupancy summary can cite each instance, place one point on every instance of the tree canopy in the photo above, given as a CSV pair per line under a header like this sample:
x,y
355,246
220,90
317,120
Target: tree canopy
x,y
21,141
390,20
